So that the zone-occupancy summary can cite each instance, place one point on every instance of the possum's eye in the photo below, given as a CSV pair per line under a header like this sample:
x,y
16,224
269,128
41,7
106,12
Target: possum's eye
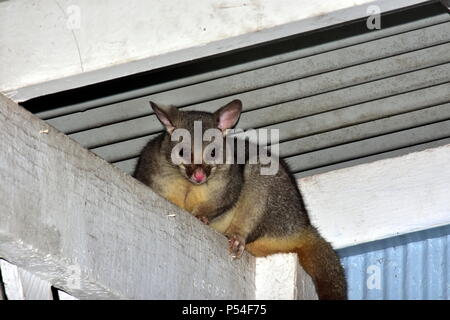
x,y
181,153
213,153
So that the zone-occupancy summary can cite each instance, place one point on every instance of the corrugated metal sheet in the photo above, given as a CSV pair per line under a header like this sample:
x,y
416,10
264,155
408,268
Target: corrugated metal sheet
x,y
411,266
364,96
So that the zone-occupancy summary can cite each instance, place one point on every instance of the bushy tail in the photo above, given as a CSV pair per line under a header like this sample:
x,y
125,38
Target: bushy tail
x,y
321,262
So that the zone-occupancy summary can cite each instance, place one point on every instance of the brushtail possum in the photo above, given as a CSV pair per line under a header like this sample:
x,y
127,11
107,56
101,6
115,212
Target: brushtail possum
x,y
264,214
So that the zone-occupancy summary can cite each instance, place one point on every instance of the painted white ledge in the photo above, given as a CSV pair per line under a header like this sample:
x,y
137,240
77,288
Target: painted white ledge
x,y
381,199
279,276
23,285
41,55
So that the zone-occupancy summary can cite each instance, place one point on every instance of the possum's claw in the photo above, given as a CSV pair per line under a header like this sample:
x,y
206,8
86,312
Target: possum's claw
x,y
236,246
203,219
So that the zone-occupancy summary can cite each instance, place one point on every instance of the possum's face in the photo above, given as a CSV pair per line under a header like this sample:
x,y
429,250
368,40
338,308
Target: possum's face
x,y
197,144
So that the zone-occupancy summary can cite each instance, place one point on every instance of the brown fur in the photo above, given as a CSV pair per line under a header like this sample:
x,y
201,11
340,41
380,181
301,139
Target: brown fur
x,y
264,213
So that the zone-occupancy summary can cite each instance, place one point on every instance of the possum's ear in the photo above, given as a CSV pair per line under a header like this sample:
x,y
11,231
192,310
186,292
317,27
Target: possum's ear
x,y
167,115
228,115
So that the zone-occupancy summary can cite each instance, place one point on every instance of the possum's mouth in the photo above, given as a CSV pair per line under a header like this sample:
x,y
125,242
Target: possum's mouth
x,y
198,176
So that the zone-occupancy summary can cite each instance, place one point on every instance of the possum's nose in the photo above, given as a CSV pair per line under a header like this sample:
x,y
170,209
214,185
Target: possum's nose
x,y
199,175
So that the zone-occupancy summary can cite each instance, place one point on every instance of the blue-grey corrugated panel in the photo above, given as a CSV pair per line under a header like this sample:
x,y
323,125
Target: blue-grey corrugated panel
x,y
411,266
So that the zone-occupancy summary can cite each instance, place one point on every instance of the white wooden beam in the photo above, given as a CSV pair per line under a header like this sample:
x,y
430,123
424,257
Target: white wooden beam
x,y
65,296
280,277
23,285
11,281
381,199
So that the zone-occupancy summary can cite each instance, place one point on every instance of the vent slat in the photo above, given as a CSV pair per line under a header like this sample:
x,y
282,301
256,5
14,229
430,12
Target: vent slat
x,y
370,146
319,149
309,126
243,67
260,78
252,100
129,164
366,130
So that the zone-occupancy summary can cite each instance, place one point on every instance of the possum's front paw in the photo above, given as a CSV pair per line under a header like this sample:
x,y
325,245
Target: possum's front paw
x,y
236,245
